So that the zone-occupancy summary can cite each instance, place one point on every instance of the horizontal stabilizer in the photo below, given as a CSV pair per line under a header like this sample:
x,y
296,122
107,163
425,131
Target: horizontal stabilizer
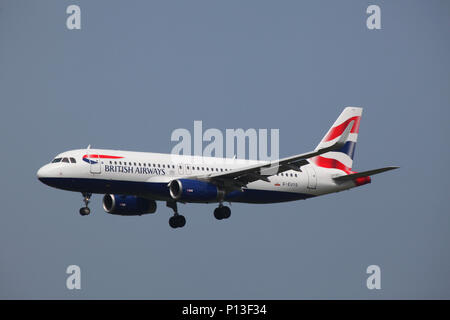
x,y
362,174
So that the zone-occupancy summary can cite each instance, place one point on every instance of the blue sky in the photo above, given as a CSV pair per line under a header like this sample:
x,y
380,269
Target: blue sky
x,y
137,70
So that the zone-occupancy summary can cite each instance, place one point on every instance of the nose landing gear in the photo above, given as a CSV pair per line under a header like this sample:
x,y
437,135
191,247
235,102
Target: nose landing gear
x,y
177,220
84,211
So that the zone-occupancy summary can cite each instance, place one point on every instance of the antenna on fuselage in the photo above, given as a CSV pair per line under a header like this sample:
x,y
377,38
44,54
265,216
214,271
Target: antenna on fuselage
x,y
88,147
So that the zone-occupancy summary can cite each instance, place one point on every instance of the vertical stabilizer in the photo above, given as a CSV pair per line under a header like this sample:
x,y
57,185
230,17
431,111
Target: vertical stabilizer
x,y
342,158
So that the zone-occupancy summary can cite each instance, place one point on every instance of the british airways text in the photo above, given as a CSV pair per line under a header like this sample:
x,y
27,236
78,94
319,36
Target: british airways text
x,y
137,170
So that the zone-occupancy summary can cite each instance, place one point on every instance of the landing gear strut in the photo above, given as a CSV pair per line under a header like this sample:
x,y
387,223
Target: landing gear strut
x,y
84,211
177,220
222,212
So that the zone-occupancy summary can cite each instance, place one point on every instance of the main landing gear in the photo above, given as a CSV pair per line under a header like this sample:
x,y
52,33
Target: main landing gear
x,y
177,220
84,211
222,212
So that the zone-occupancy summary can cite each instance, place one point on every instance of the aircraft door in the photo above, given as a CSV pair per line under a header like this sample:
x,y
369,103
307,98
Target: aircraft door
x,y
312,178
95,166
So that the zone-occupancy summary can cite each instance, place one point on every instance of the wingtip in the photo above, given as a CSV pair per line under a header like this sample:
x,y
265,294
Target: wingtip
x,y
391,168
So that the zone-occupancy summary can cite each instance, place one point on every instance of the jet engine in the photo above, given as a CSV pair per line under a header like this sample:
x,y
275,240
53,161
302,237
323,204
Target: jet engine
x,y
128,205
195,191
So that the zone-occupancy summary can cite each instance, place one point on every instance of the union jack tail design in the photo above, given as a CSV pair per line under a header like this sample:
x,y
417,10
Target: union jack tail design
x,y
341,159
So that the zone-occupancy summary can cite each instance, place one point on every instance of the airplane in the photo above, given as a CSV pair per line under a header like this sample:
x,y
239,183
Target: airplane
x,y
132,182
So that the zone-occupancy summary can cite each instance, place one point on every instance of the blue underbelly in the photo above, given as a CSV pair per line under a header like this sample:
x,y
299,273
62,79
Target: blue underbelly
x,y
161,191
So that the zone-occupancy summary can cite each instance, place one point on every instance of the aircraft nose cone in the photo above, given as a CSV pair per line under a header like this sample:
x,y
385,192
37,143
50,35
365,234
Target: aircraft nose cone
x,y
39,173
42,172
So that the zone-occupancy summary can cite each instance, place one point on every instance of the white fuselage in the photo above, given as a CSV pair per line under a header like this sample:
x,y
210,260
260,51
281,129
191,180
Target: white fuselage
x,y
148,175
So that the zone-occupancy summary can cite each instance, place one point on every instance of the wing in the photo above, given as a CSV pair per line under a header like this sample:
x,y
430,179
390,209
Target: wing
x,y
362,174
236,179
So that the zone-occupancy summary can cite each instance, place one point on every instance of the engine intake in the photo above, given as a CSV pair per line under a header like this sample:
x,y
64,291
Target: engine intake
x,y
195,191
128,205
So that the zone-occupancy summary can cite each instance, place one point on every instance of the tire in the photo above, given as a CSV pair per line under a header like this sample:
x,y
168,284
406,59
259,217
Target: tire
x,y
218,213
173,222
85,211
181,221
226,212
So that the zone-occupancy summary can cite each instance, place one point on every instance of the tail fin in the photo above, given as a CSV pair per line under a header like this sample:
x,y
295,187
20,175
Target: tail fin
x,y
342,158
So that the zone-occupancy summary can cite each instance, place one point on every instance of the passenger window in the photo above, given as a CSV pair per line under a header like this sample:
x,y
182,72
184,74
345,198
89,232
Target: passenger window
x,y
72,160
56,160
65,160
164,165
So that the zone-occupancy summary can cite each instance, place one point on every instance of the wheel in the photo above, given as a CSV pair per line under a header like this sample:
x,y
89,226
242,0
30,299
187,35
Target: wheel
x,y
85,211
218,213
181,221
173,222
226,212
177,221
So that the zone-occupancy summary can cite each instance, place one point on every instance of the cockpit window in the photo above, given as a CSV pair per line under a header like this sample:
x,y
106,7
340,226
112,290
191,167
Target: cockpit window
x,y
56,160
65,160
72,160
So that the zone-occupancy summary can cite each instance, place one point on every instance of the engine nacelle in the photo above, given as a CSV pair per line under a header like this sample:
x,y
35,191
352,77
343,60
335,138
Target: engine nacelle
x,y
128,205
194,190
